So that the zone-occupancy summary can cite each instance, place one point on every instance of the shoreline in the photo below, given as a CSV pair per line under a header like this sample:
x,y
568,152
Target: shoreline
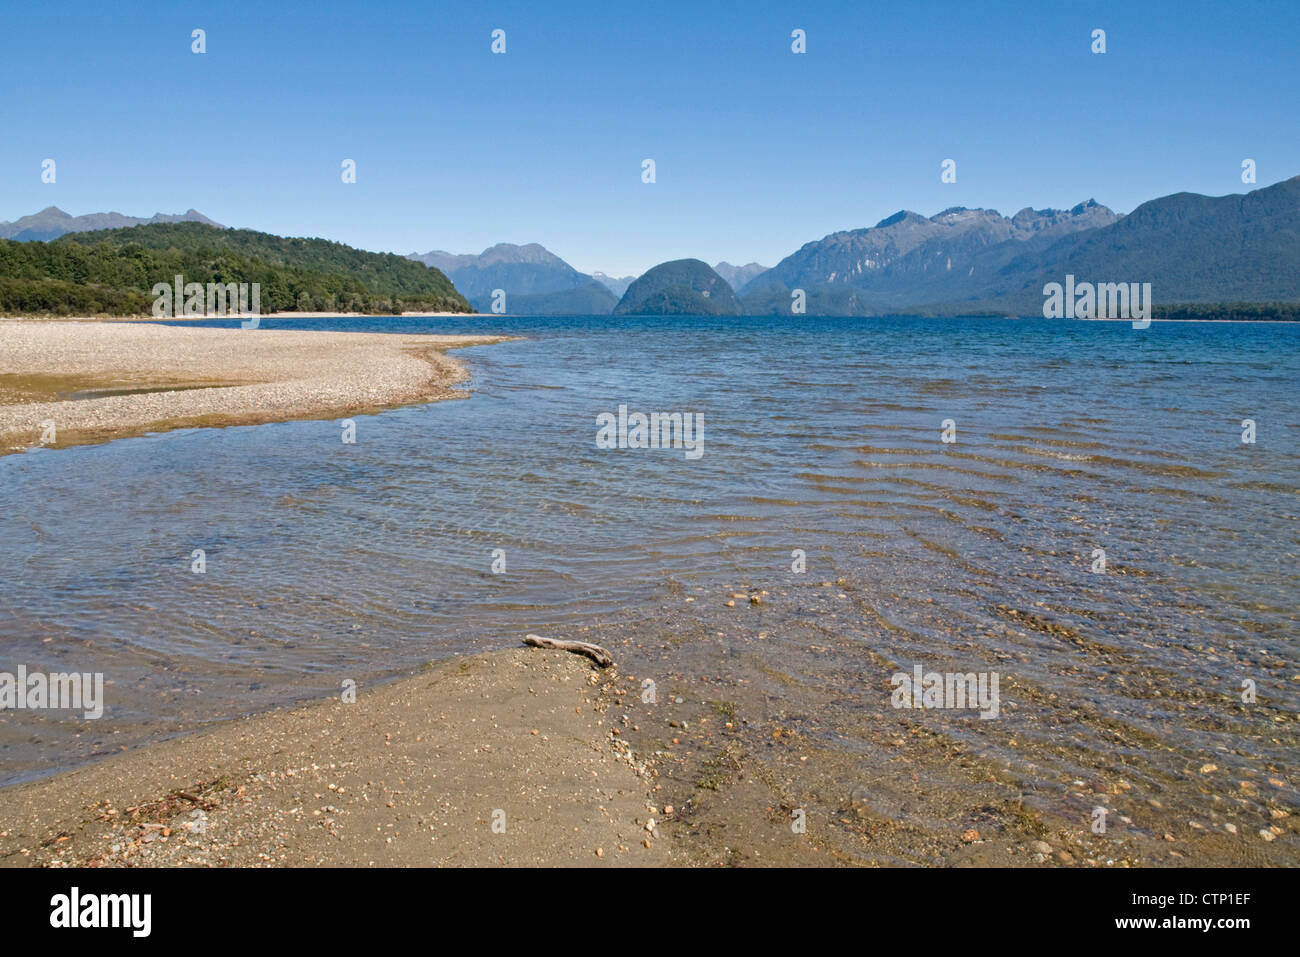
x,y
232,317
500,758
580,770
98,381
511,315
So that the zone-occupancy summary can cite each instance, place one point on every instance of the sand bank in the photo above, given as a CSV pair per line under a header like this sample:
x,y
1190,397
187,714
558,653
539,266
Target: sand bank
x,y
100,380
501,758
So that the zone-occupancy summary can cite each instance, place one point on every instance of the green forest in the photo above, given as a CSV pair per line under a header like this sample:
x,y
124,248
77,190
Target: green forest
x,y
112,272
1238,311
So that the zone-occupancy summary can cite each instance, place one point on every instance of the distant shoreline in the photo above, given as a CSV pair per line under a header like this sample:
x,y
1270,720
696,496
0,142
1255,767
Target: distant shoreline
x,y
493,315
265,315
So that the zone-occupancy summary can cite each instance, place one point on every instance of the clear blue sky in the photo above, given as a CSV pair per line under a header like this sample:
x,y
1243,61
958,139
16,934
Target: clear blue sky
x,y
758,150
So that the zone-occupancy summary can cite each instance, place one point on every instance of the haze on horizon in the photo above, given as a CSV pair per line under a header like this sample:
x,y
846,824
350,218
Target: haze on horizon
x,y
757,149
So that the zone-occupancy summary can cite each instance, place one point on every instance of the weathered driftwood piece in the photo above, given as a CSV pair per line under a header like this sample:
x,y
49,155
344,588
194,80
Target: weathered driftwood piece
x,y
594,652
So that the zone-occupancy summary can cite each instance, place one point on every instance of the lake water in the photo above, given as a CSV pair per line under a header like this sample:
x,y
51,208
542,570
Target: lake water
x,y
328,561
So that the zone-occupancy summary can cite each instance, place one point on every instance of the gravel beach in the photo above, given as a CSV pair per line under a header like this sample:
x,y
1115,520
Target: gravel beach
x,y
101,380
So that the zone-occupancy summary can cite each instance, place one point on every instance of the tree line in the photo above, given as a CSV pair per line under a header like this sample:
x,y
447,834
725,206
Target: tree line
x,y
112,272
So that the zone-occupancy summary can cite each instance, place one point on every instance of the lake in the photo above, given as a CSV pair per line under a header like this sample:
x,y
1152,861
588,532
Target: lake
x,y
825,488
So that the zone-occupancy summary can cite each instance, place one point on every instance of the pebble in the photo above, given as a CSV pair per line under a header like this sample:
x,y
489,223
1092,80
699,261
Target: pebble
x,y
1040,847
860,801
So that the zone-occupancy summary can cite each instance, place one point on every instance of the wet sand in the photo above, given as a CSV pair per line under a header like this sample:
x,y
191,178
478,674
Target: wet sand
x,y
506,758
583,771
101,380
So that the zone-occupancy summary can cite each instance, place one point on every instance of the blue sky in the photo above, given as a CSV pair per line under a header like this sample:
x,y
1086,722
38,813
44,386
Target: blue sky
x,y
758,150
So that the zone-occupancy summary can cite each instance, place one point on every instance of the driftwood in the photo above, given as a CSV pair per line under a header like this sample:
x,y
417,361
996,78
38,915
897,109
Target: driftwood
x,y
594,652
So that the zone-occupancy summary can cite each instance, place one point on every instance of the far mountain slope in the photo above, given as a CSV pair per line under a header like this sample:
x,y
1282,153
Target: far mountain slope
x,y
615,284
1191,248
739,276
535,281
1241,248
52,222
908,258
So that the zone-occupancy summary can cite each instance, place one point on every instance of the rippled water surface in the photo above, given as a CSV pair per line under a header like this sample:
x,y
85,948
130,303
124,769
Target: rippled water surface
x,y
328,561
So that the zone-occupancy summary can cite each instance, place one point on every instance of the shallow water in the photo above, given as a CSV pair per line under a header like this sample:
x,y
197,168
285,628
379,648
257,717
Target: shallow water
x,y
327,561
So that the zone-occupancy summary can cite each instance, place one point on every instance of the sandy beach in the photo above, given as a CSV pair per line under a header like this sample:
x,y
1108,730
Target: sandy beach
x,y
505,758
100,380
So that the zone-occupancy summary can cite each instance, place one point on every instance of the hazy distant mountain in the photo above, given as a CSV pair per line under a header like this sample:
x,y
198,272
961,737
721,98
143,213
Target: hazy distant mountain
x,y
615,284
446,262
52,222
592,299
535,281
739,276
681,287
1191,248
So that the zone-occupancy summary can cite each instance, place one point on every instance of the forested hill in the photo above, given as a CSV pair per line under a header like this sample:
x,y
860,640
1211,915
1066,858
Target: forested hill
x,y
111,272
683,287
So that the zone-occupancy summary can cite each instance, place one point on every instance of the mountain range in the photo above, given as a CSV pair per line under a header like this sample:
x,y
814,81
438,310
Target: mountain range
x,y
1239,250
536,282
908,259
52,222
1191,248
